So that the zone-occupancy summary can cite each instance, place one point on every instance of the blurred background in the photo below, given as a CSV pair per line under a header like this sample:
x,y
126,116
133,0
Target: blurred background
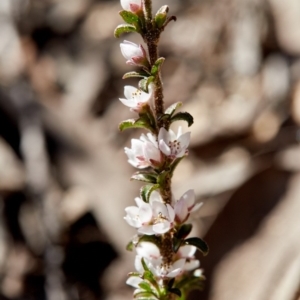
x,y
64,178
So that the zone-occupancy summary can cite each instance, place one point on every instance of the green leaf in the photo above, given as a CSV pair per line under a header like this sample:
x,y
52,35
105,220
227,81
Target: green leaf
x,y
145,286
176,244
199,243
183,116
124,28
145,177
134,274
145,296
133,74
157,65
161,16
144,83
146,191
130,246
190,282
184,231
150,277
171,109
171,282
145,266
130,18
142,122
163,177
175,291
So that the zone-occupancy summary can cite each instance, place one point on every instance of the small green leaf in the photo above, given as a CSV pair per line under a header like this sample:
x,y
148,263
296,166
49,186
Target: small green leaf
x,y
199,243
171,282
145,266
134,274
157,65
190,282
130,18
145,286
163,177
145,177
161,16
130,246
176,244
184,231
183,116
146,191
171,109
145,296
144,83
133,74
142,122
124,28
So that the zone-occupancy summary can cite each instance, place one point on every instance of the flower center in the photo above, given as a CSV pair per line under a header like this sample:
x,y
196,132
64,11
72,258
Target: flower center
x,y
174,146
137,94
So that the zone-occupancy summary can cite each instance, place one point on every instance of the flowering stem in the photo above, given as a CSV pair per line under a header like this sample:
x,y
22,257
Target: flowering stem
x,y
151,38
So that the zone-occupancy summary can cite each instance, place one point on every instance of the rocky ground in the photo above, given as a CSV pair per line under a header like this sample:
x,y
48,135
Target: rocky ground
x,y
64,178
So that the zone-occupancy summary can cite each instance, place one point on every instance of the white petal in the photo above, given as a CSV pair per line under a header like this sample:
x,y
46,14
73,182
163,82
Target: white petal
x,y
163,135
181,210
162,227
191,265
138,264
185,139
159,208
196,207
134,281
146,229
129,91
177,268
145,213
189,198
187,251
164,148
155,197
128,102
171,213
148,250
126,3
151,152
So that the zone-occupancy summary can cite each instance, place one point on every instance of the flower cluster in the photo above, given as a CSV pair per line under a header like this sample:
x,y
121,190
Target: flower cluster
x,y
164,253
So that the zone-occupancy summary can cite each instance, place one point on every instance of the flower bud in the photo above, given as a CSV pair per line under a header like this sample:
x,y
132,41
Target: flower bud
x,y
135,54
132,5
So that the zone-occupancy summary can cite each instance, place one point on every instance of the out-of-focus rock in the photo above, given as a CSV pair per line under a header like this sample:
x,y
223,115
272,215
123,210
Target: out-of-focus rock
x,y
296,103
275,79
246,35
63,15
11,55
12,176
287,21
267,265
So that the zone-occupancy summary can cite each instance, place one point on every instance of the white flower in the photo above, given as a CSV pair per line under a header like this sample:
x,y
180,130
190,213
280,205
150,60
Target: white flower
x,y
173,145
135,54
131,5
144,152
188,252
185,205
150,218
135,99
158,268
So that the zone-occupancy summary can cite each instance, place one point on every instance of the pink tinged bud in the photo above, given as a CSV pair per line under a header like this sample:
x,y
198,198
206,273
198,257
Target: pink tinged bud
x,y
134,54
131,5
